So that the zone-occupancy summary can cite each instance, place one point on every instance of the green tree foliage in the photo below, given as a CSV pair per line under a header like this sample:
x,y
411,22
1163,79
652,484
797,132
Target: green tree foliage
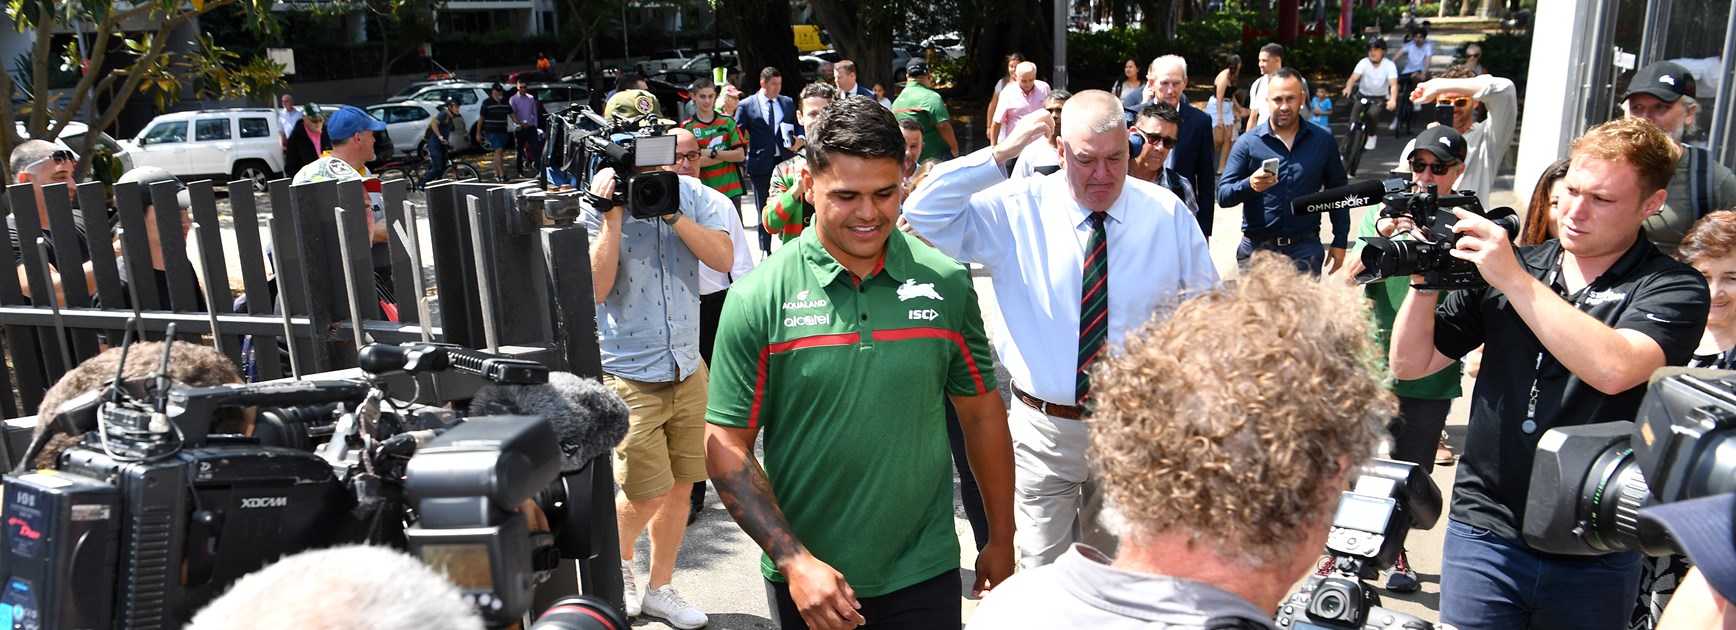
x,y
121,63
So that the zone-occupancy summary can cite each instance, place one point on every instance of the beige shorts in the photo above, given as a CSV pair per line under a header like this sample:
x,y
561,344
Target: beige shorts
x,y
665,441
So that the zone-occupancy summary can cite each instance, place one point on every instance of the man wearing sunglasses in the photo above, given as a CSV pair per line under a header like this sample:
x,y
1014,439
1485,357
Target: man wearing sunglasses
x,y
1154,131
1486,141
41,163
1423,403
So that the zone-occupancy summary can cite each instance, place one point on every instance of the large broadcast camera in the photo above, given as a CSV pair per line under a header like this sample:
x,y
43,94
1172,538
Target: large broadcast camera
x,y
1387,500
152,516
594,143
1429,253
1589,482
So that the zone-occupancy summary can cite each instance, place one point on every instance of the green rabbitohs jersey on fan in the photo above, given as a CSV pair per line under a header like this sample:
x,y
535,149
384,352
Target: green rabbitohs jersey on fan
x,y
846,379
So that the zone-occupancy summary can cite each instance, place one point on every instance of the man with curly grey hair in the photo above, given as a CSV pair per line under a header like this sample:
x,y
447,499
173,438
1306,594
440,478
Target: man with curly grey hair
x,y
342,587
1222,489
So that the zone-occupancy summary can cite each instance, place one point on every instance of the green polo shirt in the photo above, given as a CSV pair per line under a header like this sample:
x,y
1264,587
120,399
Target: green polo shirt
x,y
1385,297
846,381
929,109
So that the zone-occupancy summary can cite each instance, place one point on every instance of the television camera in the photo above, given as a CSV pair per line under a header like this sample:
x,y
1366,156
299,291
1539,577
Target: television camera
x,y
593,143
1589,483
1387,499
152,516
1427,252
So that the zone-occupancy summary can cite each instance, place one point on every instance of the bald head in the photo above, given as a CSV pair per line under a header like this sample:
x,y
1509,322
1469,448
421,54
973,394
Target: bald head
x,y
1092,112
686,152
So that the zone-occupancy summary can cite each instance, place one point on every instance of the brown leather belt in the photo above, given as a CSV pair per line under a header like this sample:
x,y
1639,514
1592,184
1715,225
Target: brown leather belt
x,y
1067,412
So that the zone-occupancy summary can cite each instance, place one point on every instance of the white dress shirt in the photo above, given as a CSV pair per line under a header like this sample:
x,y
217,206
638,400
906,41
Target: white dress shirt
x,y
1030,235
711,280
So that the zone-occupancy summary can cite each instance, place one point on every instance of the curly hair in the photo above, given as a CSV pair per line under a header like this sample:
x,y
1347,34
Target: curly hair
x,y
1235,419
190,364
1713,236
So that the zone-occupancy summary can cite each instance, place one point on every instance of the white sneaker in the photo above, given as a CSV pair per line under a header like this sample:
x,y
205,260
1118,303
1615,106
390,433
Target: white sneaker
x,y
630,590
666,603
1369,146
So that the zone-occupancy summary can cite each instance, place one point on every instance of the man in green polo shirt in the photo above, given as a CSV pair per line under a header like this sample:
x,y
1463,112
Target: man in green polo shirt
x,y
842,352
921,103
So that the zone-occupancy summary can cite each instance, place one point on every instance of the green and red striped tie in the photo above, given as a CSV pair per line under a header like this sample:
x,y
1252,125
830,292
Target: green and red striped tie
x,y
1093,305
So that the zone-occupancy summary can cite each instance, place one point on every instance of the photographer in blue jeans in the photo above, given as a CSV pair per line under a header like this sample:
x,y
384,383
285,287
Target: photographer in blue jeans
x,y
1572,328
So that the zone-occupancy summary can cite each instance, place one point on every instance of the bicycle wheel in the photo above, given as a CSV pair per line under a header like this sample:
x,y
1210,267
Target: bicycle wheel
x,y
460,171
395,173
1358,136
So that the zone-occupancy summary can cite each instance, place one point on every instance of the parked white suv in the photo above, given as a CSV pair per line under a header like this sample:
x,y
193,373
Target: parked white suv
x,y
222,144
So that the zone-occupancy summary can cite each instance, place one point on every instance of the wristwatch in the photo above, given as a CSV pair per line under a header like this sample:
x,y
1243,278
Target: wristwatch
x,y
672,217
713,153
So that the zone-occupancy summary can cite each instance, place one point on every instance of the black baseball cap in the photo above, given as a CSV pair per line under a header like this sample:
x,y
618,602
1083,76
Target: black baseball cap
x,y
916,68
1376,42
1667,80
1442,141
1703,529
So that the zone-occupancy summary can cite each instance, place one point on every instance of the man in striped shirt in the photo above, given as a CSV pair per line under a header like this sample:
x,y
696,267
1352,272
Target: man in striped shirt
x,y
721,145
787,210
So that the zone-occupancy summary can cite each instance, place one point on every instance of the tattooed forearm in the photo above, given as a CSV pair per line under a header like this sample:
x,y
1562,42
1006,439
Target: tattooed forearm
x,y
747,493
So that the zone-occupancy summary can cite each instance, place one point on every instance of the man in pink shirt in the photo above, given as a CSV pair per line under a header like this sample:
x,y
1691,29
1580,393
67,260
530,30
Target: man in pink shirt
x,y
1017,99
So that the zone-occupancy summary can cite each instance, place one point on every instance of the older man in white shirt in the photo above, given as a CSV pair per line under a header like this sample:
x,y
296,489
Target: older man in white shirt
x,y
1079,259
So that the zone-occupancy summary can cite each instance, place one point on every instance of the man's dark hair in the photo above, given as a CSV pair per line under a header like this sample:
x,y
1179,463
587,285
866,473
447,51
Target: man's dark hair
x,y
627,81
855,126
769,73
700,84
1161,111
1288,72
1273,49
909,124
820,90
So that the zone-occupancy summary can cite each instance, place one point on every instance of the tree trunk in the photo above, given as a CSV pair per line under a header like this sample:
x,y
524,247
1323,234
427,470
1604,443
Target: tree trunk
x,y
763,38
859,37
1490,9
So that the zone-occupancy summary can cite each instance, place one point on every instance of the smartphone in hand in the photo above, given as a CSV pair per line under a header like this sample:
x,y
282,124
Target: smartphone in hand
x,y
1270,166
1444,113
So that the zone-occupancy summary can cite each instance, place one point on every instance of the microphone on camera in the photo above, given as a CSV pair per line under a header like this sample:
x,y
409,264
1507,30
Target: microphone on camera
x,y
1357,195
589,418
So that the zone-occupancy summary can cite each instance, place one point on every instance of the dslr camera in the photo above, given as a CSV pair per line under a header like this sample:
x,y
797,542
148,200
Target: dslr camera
x,y
594,143
152,516
1431,253
1589,482
1387,499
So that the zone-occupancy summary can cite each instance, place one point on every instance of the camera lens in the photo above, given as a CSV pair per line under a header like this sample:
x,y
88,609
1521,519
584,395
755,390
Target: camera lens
x,y
1612,496
581,612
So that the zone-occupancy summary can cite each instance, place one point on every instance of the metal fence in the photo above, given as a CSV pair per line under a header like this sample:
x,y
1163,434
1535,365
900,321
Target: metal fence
x,y
501,279
504,279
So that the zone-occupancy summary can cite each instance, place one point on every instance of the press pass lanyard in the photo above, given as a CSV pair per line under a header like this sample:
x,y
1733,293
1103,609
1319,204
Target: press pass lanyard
x,y
1549,280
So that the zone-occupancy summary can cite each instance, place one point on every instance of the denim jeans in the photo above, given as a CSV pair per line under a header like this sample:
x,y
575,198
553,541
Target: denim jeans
x,y
1488,582
1308,255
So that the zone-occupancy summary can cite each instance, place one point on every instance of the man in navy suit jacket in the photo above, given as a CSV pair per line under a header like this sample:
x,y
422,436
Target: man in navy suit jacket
x,y
1193,153
773,135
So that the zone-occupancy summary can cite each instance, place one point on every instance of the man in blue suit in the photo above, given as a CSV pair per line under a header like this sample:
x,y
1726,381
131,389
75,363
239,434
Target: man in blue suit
x,y
773,135
1193,154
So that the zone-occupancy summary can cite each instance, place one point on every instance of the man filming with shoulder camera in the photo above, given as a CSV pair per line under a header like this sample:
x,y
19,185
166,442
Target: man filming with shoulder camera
x,y
1573,328
1217,520
645,272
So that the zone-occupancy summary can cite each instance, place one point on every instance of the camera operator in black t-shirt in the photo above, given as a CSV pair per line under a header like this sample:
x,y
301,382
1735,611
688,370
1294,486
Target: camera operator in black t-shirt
x,y
1573,328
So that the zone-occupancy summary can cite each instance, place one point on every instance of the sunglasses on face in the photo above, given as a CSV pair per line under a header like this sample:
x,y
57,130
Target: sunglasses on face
x,y
1168,142
56,157
1457,102
1438,168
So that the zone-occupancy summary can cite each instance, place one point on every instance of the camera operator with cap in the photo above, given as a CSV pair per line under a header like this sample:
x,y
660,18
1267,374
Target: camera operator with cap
x,y
646,276
1573,328
1663,93
1217,519
1423,404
